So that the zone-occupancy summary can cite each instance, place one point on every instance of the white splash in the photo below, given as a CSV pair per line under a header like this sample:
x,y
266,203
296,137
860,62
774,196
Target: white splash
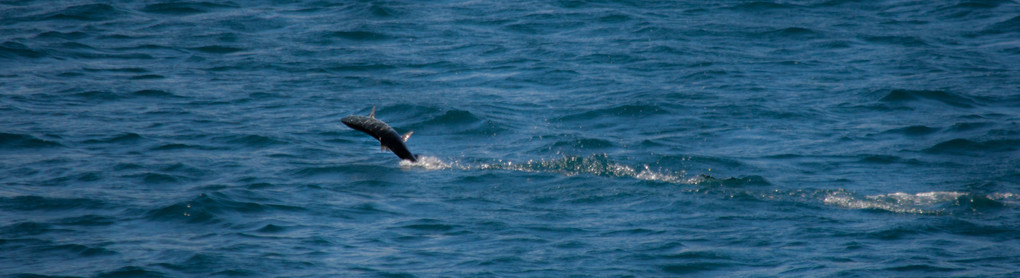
x,y
650,175
427,162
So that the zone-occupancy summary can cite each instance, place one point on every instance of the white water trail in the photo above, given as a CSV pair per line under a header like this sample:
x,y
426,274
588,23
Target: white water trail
x,y
569,166
929,203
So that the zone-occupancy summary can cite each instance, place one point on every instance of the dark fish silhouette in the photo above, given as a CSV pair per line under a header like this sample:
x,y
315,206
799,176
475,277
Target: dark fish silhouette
x,y
382,132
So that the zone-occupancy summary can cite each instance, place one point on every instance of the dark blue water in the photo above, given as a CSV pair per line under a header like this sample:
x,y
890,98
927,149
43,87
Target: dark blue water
x,y
562,138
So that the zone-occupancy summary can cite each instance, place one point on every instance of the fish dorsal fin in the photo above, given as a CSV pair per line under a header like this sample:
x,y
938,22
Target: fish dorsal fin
x,y
383,147
406,136
372,115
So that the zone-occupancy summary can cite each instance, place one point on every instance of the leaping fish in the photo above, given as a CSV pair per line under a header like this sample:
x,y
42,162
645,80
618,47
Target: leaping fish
x,y
388,138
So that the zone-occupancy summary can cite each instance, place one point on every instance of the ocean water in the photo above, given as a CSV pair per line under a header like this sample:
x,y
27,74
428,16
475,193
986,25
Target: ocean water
x,y
558,138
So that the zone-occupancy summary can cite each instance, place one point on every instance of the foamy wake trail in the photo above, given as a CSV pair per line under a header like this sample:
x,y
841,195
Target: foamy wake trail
x,y
595,165
935,202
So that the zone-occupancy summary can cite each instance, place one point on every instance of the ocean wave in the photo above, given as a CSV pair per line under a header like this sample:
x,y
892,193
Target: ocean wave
x,y
182,146
630,110
453,121
186,8
157,178
454,117
25,229
81,250
87,220
359,35
86,12
32,202
914,130
760,6
133,271
788,33
251,141
218,49
100,95
735,182
969,126
886,159
1011,25
961,146
153,93
24,141
944,97
583,144
123,138
211,208
907,41
336,170
427,226
72,35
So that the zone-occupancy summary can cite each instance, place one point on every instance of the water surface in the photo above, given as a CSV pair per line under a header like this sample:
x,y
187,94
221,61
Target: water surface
x,y
588,138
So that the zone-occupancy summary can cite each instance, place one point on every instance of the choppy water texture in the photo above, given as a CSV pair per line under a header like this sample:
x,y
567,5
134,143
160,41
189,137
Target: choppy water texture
x,y
588,138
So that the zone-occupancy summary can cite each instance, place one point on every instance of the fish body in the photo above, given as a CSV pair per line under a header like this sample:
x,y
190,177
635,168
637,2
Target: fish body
x,y
388,138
